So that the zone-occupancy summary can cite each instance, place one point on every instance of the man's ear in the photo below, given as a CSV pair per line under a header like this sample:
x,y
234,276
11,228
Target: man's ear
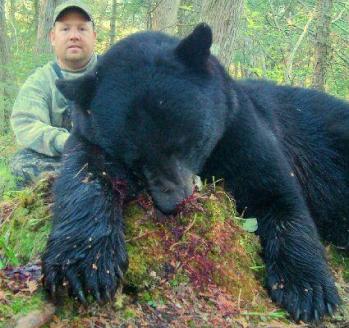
x,y
80,90
52,37
194,50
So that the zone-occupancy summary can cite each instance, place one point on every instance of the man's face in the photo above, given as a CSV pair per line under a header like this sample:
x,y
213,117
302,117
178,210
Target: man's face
x,y
73,39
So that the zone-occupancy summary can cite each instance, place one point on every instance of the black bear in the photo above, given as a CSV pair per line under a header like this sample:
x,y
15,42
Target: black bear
x,y
158,110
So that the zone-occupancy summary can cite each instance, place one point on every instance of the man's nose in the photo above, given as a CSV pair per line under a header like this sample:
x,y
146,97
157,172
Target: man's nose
x,y
74,34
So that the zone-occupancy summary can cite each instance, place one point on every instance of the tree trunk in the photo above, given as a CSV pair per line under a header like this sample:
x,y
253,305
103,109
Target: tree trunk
x,y
12,10
36,16
112,23
4,50
4,73
188,16
149,5
165,16
47,7
290,58
224,17
322,46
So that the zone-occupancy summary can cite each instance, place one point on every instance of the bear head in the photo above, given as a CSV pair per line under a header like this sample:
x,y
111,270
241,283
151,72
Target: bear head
x,y
157,105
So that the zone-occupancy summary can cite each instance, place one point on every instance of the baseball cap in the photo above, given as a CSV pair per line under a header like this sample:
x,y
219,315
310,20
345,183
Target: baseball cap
x,y
72,4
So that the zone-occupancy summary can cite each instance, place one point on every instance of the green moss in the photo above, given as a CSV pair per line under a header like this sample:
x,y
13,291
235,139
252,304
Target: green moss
x,y
120,300
7,180
26,230
137,273
179,278
19,304
340,261
144,247
152,298
129,313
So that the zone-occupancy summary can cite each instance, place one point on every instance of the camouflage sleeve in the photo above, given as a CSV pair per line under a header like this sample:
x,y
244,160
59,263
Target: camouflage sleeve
x,y
31,120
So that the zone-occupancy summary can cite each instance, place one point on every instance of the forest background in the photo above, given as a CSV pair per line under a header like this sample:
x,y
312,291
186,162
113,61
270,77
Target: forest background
x,y
297,42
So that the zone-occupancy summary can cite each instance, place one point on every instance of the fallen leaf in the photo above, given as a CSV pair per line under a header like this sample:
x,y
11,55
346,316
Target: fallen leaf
x,y
32,286
2,296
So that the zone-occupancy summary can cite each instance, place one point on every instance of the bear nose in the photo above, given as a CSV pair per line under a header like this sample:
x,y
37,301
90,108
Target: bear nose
x,y
169,199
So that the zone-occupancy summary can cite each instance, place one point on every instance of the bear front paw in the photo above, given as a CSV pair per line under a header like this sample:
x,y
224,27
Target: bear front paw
x,y
97,276
304,298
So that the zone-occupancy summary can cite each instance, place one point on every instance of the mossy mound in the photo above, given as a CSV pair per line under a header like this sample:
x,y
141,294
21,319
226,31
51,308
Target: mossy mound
x,y
203,245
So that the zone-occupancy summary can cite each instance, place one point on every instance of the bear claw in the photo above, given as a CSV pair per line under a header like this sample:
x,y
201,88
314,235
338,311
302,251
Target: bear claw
x,y
309,304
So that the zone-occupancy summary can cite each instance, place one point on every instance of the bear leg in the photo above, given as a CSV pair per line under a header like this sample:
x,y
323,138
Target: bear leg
x,y
298,277
86,247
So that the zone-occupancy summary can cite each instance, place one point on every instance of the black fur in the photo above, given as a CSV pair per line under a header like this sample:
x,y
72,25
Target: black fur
x,y
153,115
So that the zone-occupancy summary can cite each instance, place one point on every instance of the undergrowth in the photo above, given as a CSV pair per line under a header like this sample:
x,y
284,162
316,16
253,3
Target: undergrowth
x,y
203,250
7,180
201,262
25,224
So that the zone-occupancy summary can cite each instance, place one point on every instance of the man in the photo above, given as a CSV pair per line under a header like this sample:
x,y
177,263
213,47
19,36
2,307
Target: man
x,y
41,115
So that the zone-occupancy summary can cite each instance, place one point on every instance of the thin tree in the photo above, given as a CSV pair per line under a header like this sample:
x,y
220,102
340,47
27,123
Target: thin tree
x,y
188,16
4,51
47,8
36,15
291,57
164,16
149,20
4,62
12,10
322,45
224,16
112,33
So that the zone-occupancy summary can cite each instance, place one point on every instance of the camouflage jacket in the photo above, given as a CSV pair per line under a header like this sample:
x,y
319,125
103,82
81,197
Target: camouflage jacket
x,y
37,115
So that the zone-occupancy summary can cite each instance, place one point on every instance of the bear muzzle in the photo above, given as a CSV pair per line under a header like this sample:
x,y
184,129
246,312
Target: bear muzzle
x,y
169,196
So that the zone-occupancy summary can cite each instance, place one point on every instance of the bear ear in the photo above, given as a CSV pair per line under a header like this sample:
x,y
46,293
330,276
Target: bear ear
x,y
80,90
194,50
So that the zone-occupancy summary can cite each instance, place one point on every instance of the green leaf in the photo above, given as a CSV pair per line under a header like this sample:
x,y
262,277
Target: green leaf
x,y
250,225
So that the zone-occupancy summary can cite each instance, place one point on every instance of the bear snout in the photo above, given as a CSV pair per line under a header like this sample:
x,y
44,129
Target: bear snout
x,y
168,198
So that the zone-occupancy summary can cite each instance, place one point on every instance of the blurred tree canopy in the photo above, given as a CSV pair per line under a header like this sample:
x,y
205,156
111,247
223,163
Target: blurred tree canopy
x,y
302,42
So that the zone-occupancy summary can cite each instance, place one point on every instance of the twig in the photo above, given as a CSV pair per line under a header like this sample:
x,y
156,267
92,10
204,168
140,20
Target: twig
x,y
239,300
83,167
139,236
9,216
339,16
189,226
176,244
289,61
155,7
